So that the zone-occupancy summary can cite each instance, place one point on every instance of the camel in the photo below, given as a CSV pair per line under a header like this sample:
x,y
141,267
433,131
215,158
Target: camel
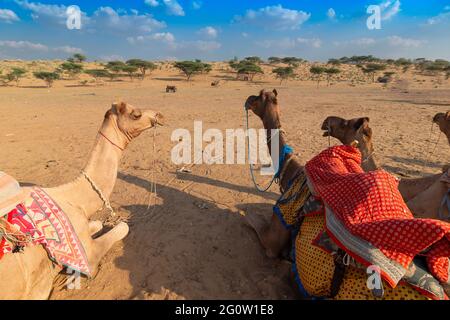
x,y
274,237
423,195
171,89
443,121
30,275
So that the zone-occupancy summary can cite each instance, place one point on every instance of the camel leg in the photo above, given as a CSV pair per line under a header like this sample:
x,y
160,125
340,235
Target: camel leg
x,y
95,226
102,244
273,237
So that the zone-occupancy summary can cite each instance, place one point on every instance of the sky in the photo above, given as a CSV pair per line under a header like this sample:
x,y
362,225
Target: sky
x,y
215,30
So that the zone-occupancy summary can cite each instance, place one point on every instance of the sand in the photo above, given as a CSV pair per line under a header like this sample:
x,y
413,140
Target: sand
x,y
192,243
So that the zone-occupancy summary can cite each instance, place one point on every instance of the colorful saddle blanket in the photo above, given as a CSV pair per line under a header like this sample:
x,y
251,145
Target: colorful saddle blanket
x,y
304,212
367,217
39,220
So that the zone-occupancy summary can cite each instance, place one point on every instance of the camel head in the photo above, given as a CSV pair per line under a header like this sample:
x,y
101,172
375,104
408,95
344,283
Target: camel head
x,y
132,121
354,132
264,105
443,121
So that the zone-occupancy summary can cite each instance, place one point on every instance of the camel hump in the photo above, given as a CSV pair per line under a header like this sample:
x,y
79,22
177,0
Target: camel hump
x,y
11,194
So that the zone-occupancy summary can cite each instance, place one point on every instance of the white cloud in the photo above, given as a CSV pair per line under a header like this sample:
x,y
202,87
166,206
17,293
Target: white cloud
x,y
274,17
360,42
8,16
207,45
23,45
397,41
209,32
331,14
174,8
46,12
314,42
442,17
68,50
107,19
152,3
389,9
112,57
288,43
197,5
164,37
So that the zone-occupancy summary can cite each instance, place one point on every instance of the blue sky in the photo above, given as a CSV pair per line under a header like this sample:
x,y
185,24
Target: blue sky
x,y
219,30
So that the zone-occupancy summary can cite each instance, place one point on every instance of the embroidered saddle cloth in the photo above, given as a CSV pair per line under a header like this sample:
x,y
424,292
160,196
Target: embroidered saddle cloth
x,y
39,220
366,217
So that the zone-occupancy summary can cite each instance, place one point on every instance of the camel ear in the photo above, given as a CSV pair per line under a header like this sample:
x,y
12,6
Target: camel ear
x,y
275,92
361,123
447,116
120,107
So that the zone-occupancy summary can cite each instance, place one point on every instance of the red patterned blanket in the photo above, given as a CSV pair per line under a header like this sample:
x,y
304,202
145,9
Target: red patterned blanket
x,y
367,217
42,221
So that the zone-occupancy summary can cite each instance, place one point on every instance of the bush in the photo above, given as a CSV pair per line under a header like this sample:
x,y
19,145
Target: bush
x,y
317,71
373,68
48,77
14,75
72,68
284,73
142,65
330,72
190,68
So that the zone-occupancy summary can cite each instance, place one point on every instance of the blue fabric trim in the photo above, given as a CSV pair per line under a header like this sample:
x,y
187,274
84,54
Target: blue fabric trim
x,y
278,213
287,149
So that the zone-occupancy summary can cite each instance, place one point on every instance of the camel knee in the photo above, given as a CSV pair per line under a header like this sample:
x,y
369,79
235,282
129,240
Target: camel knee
x,y
95,226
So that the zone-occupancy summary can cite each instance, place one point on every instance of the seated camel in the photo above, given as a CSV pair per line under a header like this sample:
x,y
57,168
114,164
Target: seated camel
x,y
424,196
30,274
324,269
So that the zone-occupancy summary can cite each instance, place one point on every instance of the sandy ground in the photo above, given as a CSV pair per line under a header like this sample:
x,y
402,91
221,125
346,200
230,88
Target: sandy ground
x,y
193,243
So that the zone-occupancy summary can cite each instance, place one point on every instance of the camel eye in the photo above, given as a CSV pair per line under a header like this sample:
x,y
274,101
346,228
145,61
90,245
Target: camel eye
x,y
136,115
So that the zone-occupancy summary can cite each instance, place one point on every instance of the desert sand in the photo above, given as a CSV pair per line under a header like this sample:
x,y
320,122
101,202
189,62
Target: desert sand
x,y
192,242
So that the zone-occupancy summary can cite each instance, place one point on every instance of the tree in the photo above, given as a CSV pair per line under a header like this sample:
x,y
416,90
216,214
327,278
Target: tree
x,y
142,65
115,67
330,72
373,68
274,60
14,75
292,61
48,77
317,72
78,57
190,68
98,73
249,68
284,73
72,68
130,70
334,62
254,59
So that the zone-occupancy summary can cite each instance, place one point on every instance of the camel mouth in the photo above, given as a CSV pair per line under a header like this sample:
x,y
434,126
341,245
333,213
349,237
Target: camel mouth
x,y
437,118
326,129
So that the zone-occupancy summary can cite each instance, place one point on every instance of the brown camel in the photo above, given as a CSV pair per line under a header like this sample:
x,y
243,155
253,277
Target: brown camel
x,y
423,195
30,275
274,237
443,121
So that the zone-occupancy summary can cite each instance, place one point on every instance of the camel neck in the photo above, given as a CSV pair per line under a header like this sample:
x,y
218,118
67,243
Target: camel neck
x,y
369,162
102,169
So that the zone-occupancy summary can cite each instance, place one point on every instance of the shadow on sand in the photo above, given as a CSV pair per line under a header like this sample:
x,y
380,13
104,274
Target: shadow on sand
x,y
198,252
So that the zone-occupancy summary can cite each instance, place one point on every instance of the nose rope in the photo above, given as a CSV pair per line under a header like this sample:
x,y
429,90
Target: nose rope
x,y
250,165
